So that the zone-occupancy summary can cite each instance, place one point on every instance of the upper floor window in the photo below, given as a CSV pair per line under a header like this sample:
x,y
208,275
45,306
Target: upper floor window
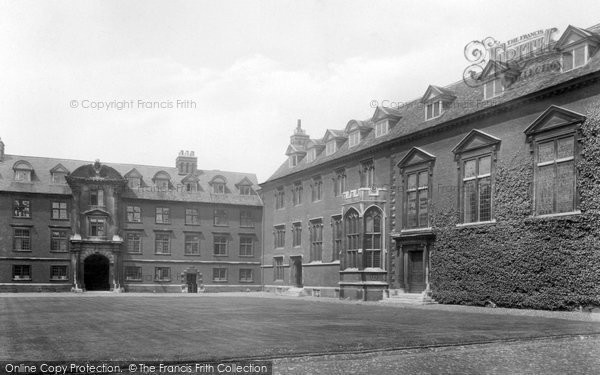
x,y
134,242
311,155
58,241
97,197
220,217
575,57
493,88
58,178
331,147
555,188
279,198
296,234
21,239
279,236
218,188
22,208
220,245
297,191
316,240
354,138
192,244
294,160
246,246
245,190
23,171
59,211
97,226
246,219
162,243
162,180
191,216
367,174
339,185
134,214
417,199
134,182
373,245
317,189
163,215
433,110
381,128
477,189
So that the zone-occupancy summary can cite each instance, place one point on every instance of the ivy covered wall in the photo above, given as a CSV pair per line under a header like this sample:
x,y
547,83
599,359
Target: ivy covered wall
x,y
520,260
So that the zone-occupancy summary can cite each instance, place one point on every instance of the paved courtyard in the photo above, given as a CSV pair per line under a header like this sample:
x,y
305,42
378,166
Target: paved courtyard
x,y
216,327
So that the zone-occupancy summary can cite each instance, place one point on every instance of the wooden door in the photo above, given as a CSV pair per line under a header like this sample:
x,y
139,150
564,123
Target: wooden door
x,y
416,272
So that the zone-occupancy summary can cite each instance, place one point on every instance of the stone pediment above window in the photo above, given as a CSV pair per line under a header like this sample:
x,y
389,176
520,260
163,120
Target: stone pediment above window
x,y
22,165
416,156
59,168
575,35
133,174
333,139
96,212
219,185
435,93
383,113
554,117
161,175
476,140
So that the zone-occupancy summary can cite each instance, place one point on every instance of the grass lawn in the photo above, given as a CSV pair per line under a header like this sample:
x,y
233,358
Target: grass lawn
x,y
170,328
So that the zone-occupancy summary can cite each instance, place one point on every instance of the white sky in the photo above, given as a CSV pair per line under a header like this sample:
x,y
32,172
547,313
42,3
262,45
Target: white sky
x,y
251,67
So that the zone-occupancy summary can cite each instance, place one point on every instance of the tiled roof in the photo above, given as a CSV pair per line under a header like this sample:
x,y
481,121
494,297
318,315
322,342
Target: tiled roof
x,y
469,100
41,181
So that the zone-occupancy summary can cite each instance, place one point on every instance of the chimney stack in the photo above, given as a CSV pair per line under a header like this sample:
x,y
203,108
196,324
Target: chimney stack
x,y
186,162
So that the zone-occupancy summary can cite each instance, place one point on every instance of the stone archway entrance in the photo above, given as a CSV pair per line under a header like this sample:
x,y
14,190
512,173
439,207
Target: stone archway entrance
x,y
96,272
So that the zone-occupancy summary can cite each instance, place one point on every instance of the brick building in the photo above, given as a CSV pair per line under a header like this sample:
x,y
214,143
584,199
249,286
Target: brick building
x,y
74,225
357,212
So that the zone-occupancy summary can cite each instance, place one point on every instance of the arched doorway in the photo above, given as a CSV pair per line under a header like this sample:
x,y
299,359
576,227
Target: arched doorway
x,y
95,272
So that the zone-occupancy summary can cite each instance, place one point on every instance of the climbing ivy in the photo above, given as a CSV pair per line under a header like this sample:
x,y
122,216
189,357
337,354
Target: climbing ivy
x,y
523,261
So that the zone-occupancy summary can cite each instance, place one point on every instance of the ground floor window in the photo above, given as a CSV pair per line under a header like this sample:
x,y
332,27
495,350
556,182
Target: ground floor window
x,y
220,274
133,273
21,272
58,273
246,275
162,274
278,268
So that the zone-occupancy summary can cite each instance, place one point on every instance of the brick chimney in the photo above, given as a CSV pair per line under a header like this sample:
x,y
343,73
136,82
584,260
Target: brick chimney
x,y
299,139
186,162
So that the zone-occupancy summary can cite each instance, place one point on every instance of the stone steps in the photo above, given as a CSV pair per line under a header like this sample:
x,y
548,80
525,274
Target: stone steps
x,y
396,296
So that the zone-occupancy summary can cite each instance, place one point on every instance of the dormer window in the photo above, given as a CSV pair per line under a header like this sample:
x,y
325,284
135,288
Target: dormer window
x,y
191,186
134,182
219,188
433,110
354,138
161,180
245,190
575,57
23,171
59,178
331,147
294,159
311,155
381,128
493,88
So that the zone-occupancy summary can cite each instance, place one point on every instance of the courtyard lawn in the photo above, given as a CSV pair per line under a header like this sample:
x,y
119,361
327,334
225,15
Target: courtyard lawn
x,y
172,328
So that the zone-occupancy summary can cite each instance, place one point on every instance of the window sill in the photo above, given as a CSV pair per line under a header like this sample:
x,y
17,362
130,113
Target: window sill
x,y
57,219
220,255
22,217
162,254
59,251
246,256
21,279
22,251
162,280
59,279
411,230
475,223
191,255
133,280
220,281
549,216
246,281
192,224
133,222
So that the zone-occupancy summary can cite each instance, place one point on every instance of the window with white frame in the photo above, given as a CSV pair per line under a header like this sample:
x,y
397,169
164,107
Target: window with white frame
x,y
162,215
21,272
493,88
22,208
134,214
58,272
417,199
58,178
191,216
246,246
58,241
433,110
373,245
97,226
192,244
162,243
220,274
220,244
162,274
477,189
354,138
21,239
331,147
381,128
59,211
575,57
134,242
246,275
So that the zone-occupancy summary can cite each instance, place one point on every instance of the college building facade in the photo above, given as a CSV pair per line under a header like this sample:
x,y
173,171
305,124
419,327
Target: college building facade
x,y
422,200
69,225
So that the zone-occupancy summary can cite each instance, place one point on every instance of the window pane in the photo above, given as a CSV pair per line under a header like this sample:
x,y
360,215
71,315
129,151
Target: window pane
x,y
579,56
423,179
546,152
485,165
565,147
411,216
423,205
545,190
470,168
436,109
497,87
412,182
429,111
470,201
369,224
567,61
485,199
565,187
